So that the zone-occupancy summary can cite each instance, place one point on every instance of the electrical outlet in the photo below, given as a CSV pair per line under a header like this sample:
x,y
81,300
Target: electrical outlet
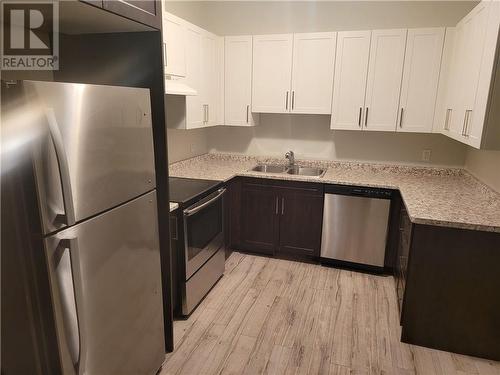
x,y
192,148
426,155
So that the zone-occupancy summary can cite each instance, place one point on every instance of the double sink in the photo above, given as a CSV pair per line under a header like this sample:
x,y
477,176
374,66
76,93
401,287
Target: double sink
x,y
289,169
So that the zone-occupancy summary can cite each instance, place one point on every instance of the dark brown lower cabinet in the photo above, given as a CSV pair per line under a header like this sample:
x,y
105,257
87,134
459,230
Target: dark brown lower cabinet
x,y
259,218
403,251
300,220
277,217
448,282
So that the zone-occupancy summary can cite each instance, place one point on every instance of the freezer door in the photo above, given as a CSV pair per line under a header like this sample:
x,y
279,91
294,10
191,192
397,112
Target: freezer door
x,y
94,149
106,288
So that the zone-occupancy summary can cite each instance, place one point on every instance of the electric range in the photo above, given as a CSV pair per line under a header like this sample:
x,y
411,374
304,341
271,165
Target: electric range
x,y
198,252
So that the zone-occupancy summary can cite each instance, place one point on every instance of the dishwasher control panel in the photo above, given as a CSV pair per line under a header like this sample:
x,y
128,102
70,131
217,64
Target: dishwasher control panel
x,y
369,192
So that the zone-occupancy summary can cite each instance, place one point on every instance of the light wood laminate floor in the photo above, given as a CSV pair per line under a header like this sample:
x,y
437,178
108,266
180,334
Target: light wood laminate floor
x,y
275,316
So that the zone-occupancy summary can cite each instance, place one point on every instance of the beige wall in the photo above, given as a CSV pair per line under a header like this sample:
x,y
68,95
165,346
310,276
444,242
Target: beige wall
x,y
309,136
185,144
485,165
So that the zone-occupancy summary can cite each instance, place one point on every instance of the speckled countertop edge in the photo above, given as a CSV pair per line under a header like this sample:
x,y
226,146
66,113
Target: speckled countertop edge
x,y
447,197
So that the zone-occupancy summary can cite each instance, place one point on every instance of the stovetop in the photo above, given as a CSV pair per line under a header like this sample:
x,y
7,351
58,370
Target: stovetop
x,y
183,190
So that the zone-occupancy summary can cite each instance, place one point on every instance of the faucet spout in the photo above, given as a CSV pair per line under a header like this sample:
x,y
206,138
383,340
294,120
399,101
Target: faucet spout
x,y
291,158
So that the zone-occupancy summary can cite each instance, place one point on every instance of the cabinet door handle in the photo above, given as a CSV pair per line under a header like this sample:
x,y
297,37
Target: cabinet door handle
x,y
447,119
293,99
282,205
401,118
463,125
248,108
468,113
208,112
276,206
360,115
286,101
165,53
366,117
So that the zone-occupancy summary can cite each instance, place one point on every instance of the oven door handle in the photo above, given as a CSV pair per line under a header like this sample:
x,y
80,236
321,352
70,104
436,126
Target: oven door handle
x,y
191,211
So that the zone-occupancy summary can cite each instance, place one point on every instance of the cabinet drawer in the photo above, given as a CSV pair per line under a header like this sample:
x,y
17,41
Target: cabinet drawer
x,y
306,187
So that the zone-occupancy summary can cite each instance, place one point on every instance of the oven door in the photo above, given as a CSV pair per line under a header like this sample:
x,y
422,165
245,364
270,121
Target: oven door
x,y
203,230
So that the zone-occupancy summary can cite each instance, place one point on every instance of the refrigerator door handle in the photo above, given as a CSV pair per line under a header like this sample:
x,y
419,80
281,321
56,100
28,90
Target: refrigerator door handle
x,y
78,354
62,161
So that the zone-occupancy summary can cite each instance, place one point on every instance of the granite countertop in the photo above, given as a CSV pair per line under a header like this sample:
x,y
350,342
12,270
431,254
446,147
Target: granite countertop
x,y
449,197
173,206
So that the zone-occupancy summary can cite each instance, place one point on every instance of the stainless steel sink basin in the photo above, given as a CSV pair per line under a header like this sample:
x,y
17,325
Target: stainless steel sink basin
x,y
269,168
306,171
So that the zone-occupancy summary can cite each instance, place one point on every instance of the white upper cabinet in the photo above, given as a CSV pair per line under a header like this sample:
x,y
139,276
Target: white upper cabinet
x,y
383,86
203,56
420,79
174,53
293,73
351,68
475,27
312,72
238,81
472,92
272,69
483,128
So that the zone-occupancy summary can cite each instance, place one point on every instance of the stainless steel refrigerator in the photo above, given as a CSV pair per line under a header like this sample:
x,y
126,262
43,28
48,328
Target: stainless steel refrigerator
x,y
93,163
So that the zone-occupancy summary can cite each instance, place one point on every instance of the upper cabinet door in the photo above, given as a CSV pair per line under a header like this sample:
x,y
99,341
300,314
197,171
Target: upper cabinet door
x,y
238,81
454,94
210,79
272,69
349,83
475,26
442,113
385,71
147,12
194,109
312,77
174,52
220,79
420,79
483,133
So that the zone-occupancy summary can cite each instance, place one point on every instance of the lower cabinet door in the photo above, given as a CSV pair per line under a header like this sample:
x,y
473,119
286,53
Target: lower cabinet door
x,y
301,219
259,218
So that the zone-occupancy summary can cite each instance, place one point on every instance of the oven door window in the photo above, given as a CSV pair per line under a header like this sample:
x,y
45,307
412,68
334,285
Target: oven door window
x,y
204,235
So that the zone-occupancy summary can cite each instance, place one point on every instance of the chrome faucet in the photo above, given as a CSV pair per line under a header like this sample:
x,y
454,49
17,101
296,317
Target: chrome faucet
x,y
291,158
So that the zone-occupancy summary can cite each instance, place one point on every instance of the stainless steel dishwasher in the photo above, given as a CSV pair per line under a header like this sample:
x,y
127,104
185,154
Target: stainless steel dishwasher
x,y
355,225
